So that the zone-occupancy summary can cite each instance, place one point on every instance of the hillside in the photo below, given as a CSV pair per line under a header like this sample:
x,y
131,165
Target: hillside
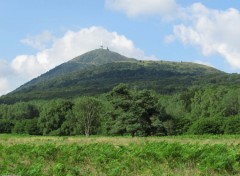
x,y
92,58
98,71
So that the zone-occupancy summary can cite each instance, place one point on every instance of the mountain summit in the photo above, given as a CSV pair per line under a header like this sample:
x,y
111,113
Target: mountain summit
x,y
98,71
91,58
99,57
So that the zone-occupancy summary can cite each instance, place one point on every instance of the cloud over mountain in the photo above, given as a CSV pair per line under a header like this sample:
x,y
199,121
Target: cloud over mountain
x,y
212,31
72,44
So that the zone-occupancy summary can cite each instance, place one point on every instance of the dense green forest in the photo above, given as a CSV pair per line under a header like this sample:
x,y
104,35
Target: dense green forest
x,y
128,111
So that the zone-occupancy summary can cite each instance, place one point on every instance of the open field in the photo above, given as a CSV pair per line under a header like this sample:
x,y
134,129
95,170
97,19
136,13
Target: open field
x,y
179,155
6,139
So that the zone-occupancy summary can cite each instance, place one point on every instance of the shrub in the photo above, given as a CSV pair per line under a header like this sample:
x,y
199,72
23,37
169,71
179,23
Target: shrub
x,y
232,125
207,126
6,126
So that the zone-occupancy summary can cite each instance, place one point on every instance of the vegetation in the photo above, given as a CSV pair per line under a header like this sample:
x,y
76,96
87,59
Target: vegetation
x,y
126,111
104,93
98,71
63,156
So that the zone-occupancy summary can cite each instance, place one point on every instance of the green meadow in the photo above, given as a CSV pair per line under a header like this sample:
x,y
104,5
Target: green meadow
x,y
176,155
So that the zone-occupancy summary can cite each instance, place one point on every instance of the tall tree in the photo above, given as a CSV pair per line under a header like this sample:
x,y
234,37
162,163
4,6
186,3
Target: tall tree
x,y
135,112
53,116
121,99
88,111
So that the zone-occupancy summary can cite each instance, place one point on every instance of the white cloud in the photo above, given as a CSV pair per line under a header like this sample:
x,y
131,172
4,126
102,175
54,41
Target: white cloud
x,y
4,81
4,86
27,66
8,77
4,68
40,41
72,44
135,8
212,31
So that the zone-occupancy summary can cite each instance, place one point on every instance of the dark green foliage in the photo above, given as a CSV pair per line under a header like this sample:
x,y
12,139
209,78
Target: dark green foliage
x,y
232,125
121,99
19,111
71,126
232,102
53,116
6,125
135,112
207,126
181,125
27,126
158,128
127,111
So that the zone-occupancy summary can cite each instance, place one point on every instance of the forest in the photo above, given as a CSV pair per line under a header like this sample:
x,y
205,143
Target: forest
x,y
126,111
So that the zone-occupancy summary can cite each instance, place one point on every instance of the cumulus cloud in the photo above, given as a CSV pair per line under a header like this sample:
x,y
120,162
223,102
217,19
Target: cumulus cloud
x,y
72,44
27,66
4,81
40,41
4,86
4,68
212,31
135,8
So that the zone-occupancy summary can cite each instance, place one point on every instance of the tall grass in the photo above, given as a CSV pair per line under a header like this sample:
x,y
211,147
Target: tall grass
x,y
146,158
9,139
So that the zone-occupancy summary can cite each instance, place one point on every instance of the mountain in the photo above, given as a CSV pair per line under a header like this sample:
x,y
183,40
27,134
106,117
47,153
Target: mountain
x,y
87,60
98,71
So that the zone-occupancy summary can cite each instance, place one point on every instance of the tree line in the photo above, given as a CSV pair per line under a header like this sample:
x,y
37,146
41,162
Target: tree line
x,y
125,111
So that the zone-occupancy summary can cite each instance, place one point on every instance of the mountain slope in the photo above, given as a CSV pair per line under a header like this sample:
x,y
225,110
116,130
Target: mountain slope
x,y
92,58
98,71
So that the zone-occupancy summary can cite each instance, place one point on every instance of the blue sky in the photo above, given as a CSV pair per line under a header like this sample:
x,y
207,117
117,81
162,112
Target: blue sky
x,y
35,36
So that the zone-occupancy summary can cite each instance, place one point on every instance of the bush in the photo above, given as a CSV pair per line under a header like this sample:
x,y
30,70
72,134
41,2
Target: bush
x,y
6,126
181,125
232,125
28,126
207,126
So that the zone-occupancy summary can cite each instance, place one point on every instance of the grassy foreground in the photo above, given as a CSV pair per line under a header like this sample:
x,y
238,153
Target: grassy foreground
x,y
186,155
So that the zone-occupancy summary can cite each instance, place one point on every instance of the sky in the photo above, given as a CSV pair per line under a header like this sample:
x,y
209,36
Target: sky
x,y
36,36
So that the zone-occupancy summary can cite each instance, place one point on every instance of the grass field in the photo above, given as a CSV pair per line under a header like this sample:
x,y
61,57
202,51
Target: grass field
x,y
178,155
